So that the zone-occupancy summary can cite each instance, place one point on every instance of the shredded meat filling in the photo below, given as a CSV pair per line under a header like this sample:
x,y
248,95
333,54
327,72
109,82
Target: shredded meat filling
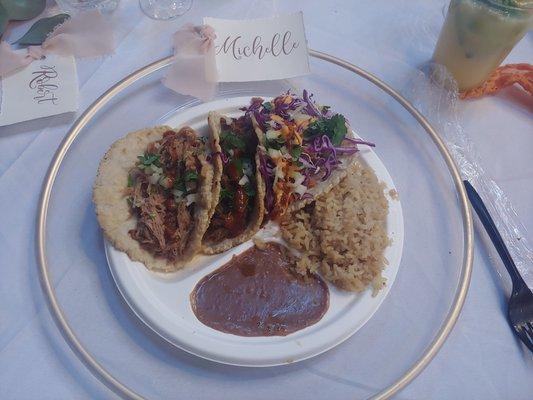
x,y
160,186
234,210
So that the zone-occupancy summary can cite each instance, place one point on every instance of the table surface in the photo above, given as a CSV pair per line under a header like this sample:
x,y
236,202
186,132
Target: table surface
x,y
384,37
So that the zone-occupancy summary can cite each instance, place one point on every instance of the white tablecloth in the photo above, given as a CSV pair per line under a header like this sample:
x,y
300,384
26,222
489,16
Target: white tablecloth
x,y
382,36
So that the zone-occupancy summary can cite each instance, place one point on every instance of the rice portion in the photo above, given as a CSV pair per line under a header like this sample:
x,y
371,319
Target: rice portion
x,y
342,234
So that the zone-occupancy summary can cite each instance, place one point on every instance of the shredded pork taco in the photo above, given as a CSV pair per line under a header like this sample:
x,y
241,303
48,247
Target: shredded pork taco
x,y
153,194
238,190
304,150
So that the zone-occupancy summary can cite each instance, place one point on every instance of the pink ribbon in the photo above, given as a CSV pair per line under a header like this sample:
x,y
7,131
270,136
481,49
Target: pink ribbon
x,y
193,71
86,34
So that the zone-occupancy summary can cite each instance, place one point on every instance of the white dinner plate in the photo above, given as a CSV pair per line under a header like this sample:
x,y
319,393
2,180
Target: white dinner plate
x,y
161,301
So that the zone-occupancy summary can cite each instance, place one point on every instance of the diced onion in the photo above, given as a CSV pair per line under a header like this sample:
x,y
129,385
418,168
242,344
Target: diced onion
x,y
191,198
244,180
165,182
298,184
154,178
177,193
273,153
272,134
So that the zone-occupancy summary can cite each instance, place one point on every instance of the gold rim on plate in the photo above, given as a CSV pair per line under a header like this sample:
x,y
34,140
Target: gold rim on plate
x,y
116,386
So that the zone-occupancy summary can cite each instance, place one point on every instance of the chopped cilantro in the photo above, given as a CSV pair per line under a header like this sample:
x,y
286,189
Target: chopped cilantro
x,y
179,184
130,181
267,105
190,175
296,152
230,141
226,194
275,144
148,159
334,128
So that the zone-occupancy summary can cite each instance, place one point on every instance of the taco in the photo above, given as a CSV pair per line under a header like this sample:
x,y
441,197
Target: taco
x,y
152,196
304,150
238,191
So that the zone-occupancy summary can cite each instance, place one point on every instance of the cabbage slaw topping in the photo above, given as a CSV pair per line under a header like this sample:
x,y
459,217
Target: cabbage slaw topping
x,y
304,142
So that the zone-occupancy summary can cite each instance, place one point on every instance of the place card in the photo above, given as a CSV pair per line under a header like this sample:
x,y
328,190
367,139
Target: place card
x,y
48,86
260,49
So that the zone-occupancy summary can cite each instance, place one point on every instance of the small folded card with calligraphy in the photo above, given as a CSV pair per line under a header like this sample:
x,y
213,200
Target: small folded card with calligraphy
x,y
260,49
47,86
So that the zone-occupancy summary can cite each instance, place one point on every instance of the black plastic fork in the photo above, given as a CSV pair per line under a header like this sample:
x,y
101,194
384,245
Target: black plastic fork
x,y
520,306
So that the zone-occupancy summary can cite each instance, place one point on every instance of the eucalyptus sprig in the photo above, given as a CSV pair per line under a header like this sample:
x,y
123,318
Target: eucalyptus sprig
x,y
40,30
21,10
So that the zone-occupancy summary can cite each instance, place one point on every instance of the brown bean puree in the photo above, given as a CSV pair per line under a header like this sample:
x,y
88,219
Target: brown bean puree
x,y
257,294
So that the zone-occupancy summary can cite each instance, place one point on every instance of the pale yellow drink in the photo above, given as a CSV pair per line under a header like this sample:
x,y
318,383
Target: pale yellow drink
x,y
478,34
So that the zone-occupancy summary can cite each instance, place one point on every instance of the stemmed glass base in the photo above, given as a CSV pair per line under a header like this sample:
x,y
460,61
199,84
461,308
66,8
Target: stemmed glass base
x,y
165,9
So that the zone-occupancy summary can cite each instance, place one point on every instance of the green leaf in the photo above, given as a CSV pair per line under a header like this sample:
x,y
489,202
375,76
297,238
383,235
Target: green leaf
x,y
180,185
275,144
296,152
225,194
268,106
190,175
230,141
4,19
40,30
148,159
334,128
130,181
21,10
339,130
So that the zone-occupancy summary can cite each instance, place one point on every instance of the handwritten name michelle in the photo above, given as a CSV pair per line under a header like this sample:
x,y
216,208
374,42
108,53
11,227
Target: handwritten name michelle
x,y
44,83
278,45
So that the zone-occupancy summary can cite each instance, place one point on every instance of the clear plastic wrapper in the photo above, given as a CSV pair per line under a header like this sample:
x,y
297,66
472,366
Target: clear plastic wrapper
x,y
434,92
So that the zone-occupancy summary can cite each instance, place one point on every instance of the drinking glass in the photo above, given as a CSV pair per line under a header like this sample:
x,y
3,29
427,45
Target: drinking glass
x,y
106,6
165,9
477,35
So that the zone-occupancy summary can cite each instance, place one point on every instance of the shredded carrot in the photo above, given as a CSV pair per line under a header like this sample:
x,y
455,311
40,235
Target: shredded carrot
x,y
276,118
504,76
299,139
291,133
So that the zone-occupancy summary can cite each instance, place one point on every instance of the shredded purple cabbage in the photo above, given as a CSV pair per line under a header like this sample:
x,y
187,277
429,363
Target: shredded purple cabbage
x,y
257,110
282,109
319,158
311,108
360,141
255,105
267,172
220,154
